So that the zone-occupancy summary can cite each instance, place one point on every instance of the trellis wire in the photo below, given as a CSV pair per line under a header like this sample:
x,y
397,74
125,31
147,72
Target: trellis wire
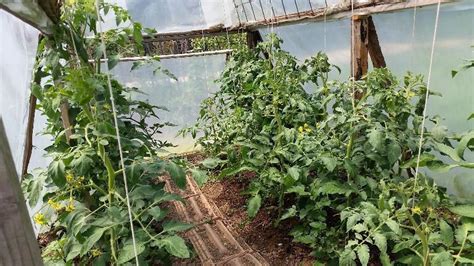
x,y
425,107
297,9
253,11
205,59
352,56
117,132
261,7
324,25
284,9
236,11
311,7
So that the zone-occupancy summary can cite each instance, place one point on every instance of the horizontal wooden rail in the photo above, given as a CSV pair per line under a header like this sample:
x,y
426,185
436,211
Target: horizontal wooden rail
x,y
170,56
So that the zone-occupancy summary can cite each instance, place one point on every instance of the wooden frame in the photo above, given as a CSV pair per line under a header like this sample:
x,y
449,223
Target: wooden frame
x,y
364,42
338,12
18,245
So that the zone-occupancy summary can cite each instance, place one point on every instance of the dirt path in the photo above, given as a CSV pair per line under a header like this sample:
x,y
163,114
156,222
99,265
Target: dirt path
x,y
213,242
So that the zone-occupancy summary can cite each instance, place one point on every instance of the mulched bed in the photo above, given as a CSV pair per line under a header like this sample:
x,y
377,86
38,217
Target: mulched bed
x,y
271,242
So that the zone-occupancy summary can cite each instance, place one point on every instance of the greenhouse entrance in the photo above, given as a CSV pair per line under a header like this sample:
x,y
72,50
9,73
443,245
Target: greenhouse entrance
x,y
259,132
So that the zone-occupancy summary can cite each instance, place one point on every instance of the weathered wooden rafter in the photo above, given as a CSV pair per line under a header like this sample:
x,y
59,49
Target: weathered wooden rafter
x,y
338,12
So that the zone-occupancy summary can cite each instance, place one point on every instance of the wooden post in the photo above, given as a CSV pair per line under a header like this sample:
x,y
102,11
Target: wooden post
x,y
29,135
359,46
18,245
253,38
375,51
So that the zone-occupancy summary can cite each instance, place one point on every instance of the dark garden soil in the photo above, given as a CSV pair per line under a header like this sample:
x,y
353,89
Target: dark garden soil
x,y
273,243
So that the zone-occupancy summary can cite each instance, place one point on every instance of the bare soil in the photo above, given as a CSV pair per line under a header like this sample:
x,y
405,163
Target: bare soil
x,y
260,233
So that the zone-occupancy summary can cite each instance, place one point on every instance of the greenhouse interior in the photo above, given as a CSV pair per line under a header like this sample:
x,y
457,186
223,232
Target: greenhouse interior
x,y
237,132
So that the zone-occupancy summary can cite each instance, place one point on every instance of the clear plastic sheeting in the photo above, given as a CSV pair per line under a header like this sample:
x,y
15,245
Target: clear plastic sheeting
x,y
182,97
40,142
17,54
256,10
405,51
307,39
168,16
181,15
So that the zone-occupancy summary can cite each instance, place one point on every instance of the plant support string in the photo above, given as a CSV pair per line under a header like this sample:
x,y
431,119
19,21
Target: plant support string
x,y
117,131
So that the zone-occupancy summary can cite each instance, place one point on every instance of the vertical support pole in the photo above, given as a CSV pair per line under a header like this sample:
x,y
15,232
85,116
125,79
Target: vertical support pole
x,y
31,116
359,46
253,38
18,245
29,135
375,51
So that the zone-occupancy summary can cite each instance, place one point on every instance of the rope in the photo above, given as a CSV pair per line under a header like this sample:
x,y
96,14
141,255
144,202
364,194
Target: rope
x,y
420,144
117,131
325,28
352,56
413,31
205,57
414,20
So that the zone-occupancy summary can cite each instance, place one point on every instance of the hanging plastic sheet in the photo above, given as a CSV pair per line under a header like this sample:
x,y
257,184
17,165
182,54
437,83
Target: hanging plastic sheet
x,y
181,15
17,55
306,39
407,48
181,96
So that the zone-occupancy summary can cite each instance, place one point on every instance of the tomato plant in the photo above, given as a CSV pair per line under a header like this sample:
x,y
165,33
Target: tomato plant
x,y
338,156
85,208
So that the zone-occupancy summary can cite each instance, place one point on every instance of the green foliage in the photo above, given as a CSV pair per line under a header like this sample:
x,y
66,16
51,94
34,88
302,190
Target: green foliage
x,y
338,156
83,189
234,41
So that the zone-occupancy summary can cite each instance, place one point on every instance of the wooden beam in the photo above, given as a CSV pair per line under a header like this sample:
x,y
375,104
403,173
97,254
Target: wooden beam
x,y
341,11
169,56
210,32
375,51
29,135
18,245
253,38
359,46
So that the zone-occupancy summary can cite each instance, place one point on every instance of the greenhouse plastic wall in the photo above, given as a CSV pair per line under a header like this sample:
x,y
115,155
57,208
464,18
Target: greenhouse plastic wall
x,y
453,45
182,97
181,15
186,15
306,39
17,54
256,10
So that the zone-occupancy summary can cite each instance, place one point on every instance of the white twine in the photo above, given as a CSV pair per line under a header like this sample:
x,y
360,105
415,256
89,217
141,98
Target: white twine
x,y
117,131
420,144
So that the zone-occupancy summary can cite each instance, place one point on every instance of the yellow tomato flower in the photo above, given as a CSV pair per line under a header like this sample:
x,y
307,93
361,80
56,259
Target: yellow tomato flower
x,y
69,178
416,210
300,129
409,94
40,219
70,206
55,205
96,252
